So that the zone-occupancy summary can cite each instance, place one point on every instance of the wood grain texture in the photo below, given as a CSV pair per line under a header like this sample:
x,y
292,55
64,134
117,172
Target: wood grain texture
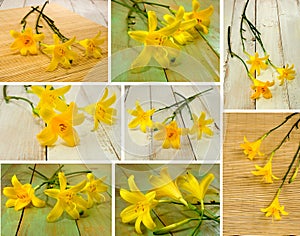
x,y
163,214
243,193
15,67
273,19
142,146
198,61
19,129
33,221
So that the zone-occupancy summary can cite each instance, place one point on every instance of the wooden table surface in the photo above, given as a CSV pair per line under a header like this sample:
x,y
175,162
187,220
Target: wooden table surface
x,y
243,193
32,220
142,146
82,19
164,215
19,129
199,61
278,23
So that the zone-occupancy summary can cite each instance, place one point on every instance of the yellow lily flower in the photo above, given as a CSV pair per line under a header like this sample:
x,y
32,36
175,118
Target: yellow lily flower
x,y
257,63
61,53
181,35
202,16
141,206
60,125
200,125
21,195
143,118
92,46
286,73
252,149
197,190
164,186
93,189
26,41
157,43
265,171
261,88
170,134
50,97
67,199
102,111
274,209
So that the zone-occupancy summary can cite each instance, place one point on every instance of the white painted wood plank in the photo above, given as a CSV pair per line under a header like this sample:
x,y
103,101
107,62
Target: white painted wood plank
x,y
237,90
8,4
289,16
18,128
137,144
103,144
88,9
207,148
267,24
162,96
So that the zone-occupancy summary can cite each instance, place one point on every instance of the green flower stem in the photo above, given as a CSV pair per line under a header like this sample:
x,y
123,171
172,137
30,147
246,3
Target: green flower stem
x,y
8,98
37,26
134,9
186,100
39,173
255,33
23,21
171,227
297,154
78,172
187,105
295,125
232,54
52,26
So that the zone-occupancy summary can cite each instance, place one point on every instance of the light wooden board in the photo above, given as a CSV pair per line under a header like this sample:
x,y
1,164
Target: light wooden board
x,y
19,129
33,221
15,67
278,23
243,193
142,146
164,214
199,61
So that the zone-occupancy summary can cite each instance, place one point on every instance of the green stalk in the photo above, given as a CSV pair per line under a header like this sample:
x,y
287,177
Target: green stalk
x,y
8,98
232,54
171,227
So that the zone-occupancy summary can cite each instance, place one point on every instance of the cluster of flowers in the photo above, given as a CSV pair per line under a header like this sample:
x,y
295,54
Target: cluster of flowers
x,y
27,42
252,150
164,186
69,198
60,117
169,132
163,44
257,63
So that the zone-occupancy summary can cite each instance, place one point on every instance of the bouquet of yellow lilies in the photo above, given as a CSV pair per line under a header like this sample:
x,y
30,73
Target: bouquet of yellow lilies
x,y
164,38
169,191
75,200
252,150
168,130
257,63
28,42
60,117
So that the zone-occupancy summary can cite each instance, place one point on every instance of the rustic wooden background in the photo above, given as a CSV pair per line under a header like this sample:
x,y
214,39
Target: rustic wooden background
x,y
278,23
243,193
164,214
80,18
32,220
141,146
203,52
19,128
